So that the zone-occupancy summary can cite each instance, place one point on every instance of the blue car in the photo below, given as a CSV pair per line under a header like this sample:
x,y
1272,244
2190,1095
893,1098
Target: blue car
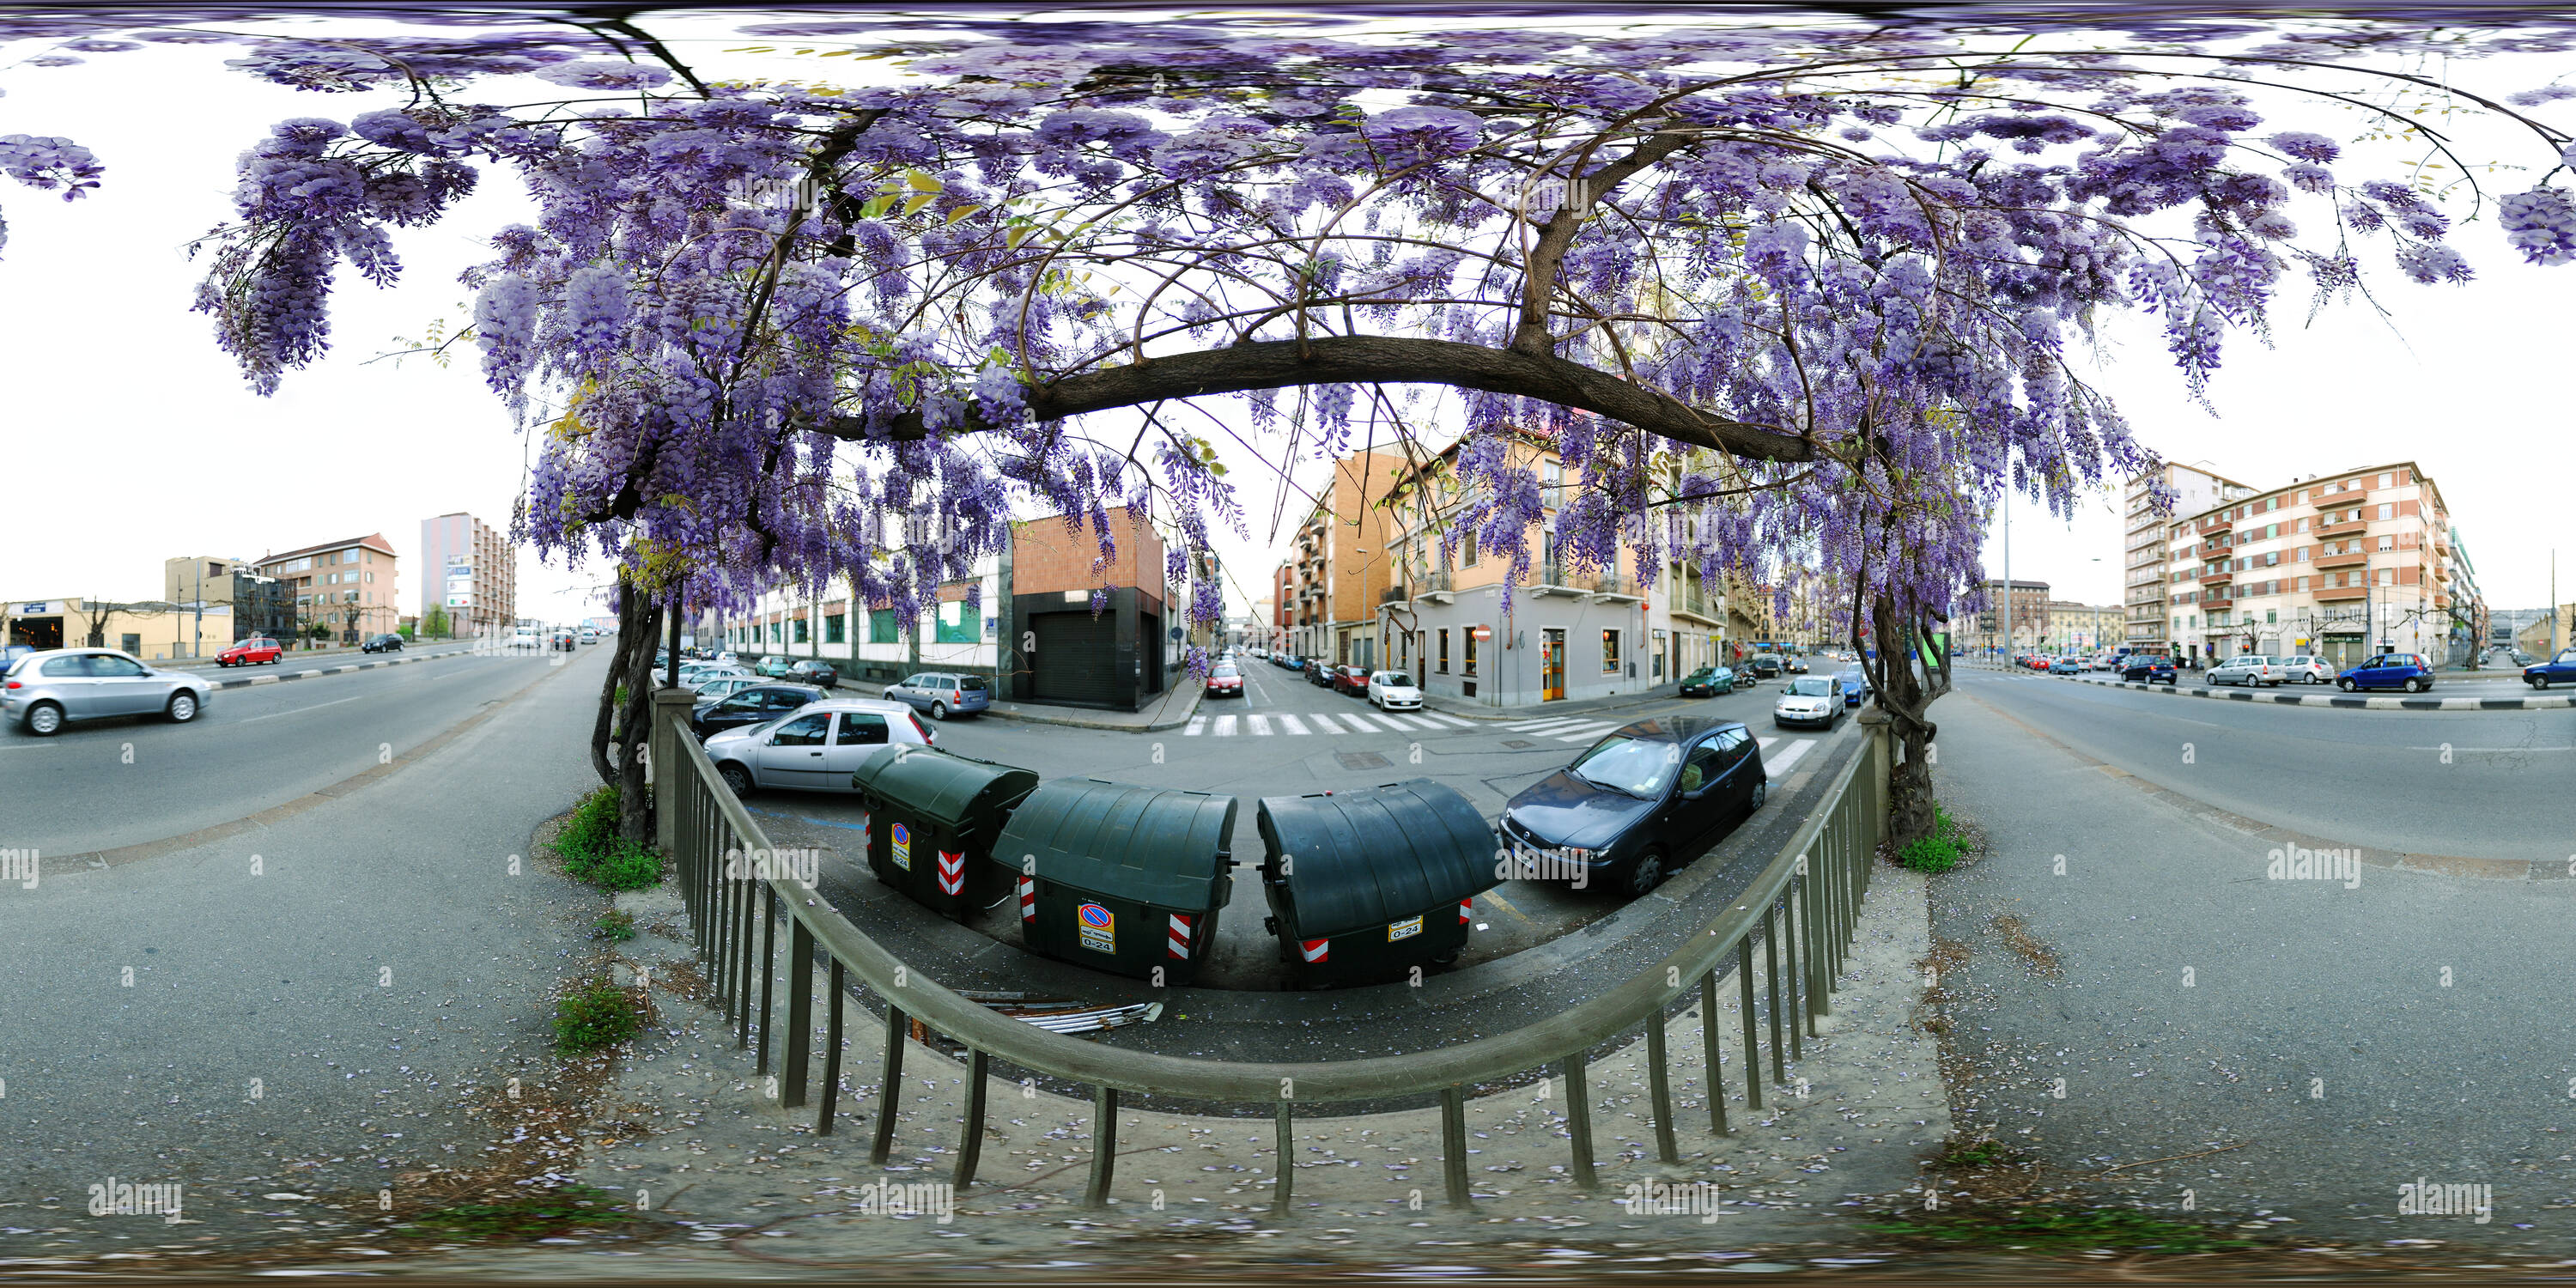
x,y
2149,669
2557,670
2408,671
1854,684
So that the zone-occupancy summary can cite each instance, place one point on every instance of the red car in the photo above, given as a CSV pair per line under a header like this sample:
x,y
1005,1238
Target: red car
x,y
258,648
1352,680
1224,681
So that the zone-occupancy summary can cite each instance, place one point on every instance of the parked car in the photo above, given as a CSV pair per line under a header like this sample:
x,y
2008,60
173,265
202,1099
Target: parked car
x,y
1352,680
1289,660
2557,670
729,658
1708,682
942,693
1807,700
1764,666
2067,666
250,652
814,671
1224,681
2249,669
2149,668
1854,683
388,643
2521,658
812,748
1394,691
2408,671
692,673
1319,673
773,666
46,690
2304,669
758,704
722,686
1641,802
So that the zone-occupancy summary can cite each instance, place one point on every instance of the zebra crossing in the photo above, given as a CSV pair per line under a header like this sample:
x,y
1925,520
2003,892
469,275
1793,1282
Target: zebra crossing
x,y
1262,724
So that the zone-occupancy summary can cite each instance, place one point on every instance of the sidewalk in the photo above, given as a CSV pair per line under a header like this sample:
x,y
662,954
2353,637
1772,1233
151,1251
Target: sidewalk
x,y
1167,710
754,1191
1448,706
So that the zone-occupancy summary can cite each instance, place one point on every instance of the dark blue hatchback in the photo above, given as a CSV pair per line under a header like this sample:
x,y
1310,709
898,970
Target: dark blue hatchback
x,y
1641,802
2408,671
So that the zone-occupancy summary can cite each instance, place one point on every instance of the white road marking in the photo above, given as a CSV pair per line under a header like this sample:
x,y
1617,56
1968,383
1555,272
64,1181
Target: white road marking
x,y
1392,723
1533,726
1198,725
1780,768
1294,724
1450,720
1224,726
1435,728
301,710
1324,722
1260,724
1581,733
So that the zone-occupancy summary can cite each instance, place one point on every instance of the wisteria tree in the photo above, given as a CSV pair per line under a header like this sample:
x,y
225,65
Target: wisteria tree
x,y
761,325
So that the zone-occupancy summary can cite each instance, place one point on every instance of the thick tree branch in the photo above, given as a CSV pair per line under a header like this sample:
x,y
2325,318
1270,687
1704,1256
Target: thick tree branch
x,y
1283,364
1556,236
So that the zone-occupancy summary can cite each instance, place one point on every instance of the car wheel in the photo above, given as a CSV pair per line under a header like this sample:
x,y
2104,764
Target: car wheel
x,y
1446,959
2344,684
183,708
938,710
44,720
1645,874
736,778
2414,686
2540,682
1761,793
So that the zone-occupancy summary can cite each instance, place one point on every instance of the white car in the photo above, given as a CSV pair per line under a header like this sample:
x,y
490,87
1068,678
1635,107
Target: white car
x,y
2306,670
1394,691
709,689
813,748
1808,700
2249,670
728,658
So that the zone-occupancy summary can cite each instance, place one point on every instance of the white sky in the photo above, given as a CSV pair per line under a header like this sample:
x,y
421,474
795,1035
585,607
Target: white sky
x,y
131,439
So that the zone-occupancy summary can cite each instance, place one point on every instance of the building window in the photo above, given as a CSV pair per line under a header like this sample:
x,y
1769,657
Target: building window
x,y
2271,617
1467,546
1471,652
802,628
2303,583
1444,650
2387,510
832,628
2383,480
2271,530
881,628
953,625
1609,652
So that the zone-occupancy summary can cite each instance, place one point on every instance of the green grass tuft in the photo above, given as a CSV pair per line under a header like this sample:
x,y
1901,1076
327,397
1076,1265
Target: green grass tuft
x,y
1945,848
526,1216
594,1015
617,927
592,850
2061,1229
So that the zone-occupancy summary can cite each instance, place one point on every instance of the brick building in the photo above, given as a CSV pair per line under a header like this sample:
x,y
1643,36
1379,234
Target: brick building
x,y
345,587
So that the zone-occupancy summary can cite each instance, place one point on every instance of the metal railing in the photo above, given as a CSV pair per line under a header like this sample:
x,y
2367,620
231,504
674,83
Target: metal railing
x,y
1798,912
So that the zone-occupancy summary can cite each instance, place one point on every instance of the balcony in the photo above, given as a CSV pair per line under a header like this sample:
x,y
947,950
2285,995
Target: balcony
x,y
1555,579
2344,527
2341,594
2348,559
2350,496
2217,576
2209,549
1395,594
1611,585
1696,602
1436,587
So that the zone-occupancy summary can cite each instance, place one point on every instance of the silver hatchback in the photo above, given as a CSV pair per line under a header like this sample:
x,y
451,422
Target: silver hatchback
x,y
44,691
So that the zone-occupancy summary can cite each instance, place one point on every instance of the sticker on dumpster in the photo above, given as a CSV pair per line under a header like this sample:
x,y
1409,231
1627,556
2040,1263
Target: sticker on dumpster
x,y
1098,928
902,847
1316,950
1405,929
952,872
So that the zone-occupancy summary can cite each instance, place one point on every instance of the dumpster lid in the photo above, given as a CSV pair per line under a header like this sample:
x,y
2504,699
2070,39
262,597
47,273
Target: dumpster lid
x,y
1365,858
941,786
1152,845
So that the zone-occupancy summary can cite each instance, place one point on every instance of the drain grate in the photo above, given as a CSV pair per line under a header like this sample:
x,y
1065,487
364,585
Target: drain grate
x,y
1518,744
1361,760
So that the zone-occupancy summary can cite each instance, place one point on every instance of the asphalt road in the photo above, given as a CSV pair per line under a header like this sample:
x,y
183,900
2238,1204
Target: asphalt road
x,y
2294,1049
308,1020
100,785
2482,784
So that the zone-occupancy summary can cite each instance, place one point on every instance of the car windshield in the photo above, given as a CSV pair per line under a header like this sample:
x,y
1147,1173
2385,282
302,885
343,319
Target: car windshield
x,y
1851,674
1810,687
1395,680
1629,765
1225,673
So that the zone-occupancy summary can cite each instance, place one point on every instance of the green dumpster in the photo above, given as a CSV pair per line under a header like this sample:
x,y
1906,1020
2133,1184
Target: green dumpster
x,y
1120,878
1369,885
932,818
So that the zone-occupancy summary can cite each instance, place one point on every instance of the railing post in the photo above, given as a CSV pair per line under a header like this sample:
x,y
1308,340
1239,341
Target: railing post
x,y
1578,1118
970,1142
1453,1146
662,762
800,1009
890,1084
1283,1185
831,1051
1104,1144
1752,1025
1708,1048
750,908
1771,973
1659,1085
1788,931
768,965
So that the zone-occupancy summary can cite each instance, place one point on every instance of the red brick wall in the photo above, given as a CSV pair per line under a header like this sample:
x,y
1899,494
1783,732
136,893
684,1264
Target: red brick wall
x,y
1047,559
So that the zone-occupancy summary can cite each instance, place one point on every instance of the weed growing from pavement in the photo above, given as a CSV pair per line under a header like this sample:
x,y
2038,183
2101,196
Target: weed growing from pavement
x,y
592,850
616,926
523,1216
1960,1154
594,1015
1949,844
2051,1228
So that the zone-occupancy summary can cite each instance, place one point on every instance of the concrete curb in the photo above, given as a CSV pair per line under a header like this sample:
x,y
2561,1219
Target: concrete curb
x,y
1158,725
2354,701
280,677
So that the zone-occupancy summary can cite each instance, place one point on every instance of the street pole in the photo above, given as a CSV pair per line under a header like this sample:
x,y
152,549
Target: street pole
x,y
2008,623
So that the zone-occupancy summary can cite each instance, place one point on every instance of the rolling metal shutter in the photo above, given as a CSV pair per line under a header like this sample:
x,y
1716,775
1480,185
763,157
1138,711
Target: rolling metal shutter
x,y
1075,653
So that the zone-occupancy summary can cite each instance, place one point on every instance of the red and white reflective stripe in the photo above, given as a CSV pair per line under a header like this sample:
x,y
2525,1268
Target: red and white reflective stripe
x,y
1178,944
1316,950
952,872
1466,909
1028,898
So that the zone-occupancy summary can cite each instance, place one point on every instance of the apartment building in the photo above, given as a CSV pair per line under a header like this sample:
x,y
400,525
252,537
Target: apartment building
x,y
1339,562
2027,611
469,572
2078,627
1283,607
2145,585
2339,565
225,601
345,587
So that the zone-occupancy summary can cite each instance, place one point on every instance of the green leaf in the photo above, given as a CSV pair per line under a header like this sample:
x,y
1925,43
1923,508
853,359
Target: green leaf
x,y
914,206
922,182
